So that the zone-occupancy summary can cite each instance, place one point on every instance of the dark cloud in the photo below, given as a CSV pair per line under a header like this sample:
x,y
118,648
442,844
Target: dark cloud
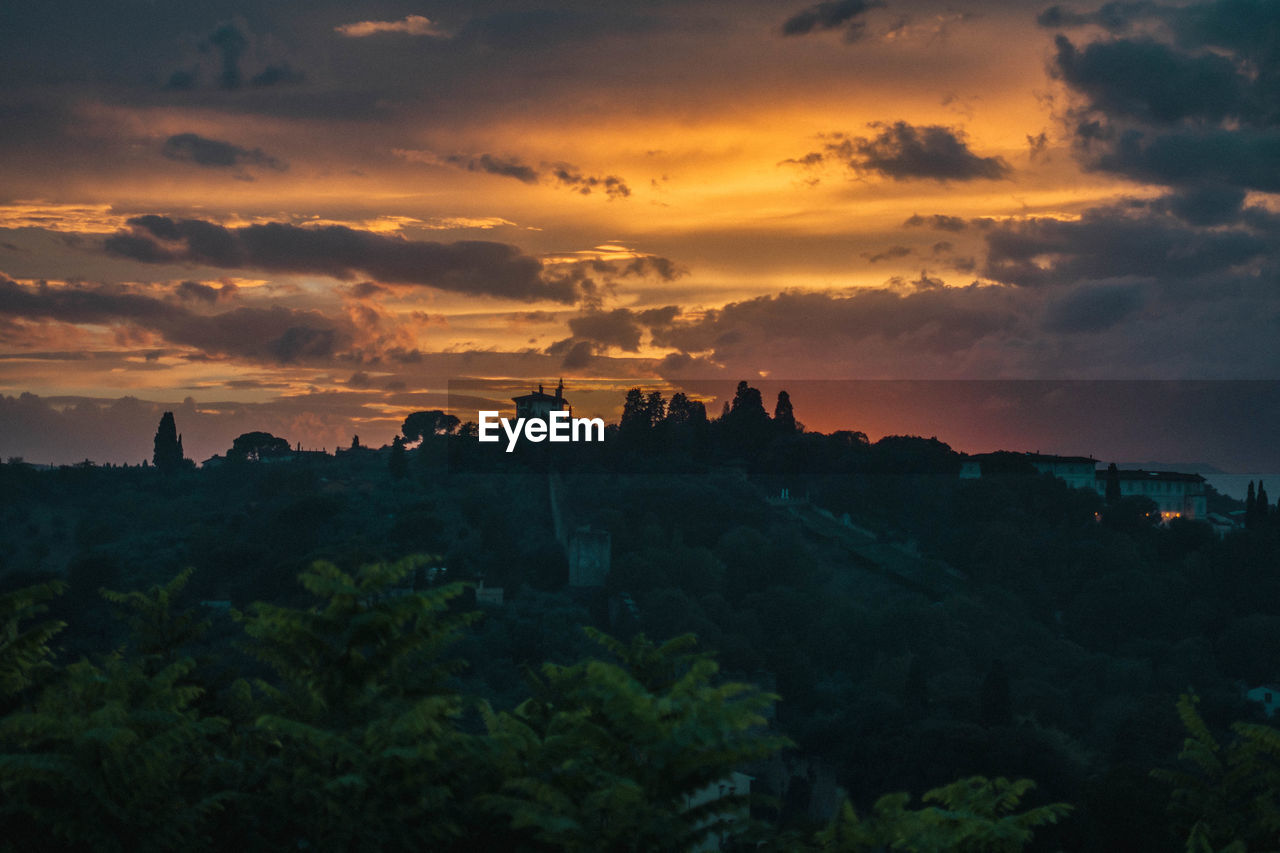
x,y
1154,82
471,266
616,328
272,334
1193,104
568,176
1037,144
621,328
366,289
1207,205
902,151
230,57
230,44
937,318
1092,308
579,355
1107,243
507,167
559,174
1114,17
887,254
641,266
274,75
215,153
196,292
938,222
1245,159
836,14
548,28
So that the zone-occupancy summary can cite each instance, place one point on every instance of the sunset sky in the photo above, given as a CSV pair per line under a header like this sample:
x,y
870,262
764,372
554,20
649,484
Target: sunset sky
x,y
308,217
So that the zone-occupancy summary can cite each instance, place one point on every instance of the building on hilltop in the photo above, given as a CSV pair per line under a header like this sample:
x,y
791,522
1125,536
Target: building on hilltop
x,y
1077,471
540,405
1176,495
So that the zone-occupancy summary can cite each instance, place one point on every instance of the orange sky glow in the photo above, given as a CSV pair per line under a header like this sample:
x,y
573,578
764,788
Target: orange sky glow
x,y
319,220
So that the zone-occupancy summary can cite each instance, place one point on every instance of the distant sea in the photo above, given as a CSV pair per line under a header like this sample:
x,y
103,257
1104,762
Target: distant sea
x,y
1232,485
1237,485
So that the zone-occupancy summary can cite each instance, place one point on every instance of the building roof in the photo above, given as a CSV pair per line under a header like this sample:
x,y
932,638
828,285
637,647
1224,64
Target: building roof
x,y
538,395
1042,458
1159,476
1073,460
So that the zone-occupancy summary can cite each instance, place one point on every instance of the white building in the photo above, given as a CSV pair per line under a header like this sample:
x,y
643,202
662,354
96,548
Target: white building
x,y
1176,495
1077,471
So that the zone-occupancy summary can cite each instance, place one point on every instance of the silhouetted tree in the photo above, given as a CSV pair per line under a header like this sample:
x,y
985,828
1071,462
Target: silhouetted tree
x,y
634,414
1113,483
355,442
681,410
398,464
419,425
655,408
1263,508
784,419
255,446
168,445
1250,508
747,423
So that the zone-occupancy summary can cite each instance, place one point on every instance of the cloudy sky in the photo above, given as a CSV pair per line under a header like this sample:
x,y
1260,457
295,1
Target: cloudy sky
x,y
309,217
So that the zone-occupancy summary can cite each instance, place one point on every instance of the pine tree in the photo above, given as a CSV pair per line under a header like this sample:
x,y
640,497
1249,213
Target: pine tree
x,y
635,415
655,409
1250,508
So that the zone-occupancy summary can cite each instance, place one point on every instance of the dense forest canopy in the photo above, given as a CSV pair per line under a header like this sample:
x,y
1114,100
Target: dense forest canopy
x,y
905,630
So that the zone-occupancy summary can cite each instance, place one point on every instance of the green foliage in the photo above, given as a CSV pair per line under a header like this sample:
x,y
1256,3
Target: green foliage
x,y
370,638
358,737
1229,799
112,758
24,649
975,815
614,756
157,629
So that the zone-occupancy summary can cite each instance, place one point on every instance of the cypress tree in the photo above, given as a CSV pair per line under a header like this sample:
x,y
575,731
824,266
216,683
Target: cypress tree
x,y
168,446
1113,483
784,419
1250,508
398,464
